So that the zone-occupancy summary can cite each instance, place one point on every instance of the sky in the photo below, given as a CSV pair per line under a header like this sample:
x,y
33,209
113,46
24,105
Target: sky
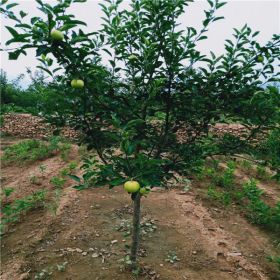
x,y
263,16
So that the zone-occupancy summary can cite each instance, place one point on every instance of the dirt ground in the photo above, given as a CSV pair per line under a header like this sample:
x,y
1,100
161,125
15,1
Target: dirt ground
x,y
88,237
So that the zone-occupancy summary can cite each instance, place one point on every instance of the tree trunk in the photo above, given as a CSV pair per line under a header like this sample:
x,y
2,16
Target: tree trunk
x,y
136,231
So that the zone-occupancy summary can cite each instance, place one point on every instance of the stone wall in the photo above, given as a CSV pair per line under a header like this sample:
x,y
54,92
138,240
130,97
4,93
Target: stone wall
x,y
28,126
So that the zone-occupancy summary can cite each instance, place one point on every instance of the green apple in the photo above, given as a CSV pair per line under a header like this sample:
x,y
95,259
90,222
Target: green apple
x,y
57,35
144,190
260,58
132,57
131,186
77,84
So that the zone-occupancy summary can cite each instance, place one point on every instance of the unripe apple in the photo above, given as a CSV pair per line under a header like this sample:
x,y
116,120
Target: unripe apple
x,y
57,35
145,190
131,186
78,84
260,58
132,57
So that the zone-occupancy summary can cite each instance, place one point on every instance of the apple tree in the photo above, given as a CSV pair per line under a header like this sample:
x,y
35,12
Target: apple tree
x,y
143,82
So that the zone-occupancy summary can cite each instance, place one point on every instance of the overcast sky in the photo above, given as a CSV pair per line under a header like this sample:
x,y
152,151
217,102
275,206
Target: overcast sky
x,y
263,16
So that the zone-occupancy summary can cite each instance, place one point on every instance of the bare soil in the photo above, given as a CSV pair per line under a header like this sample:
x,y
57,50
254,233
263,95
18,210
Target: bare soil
x,y
87,239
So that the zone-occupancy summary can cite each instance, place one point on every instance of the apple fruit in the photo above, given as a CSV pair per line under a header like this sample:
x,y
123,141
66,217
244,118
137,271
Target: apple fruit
x,y
77,84
144,190
57,35
131,186
260,58
132,57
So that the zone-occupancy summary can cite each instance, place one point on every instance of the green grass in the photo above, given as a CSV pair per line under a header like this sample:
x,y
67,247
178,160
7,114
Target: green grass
x,y
29,151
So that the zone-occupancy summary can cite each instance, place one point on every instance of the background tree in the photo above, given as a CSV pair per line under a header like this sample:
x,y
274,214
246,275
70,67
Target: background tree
x,y
131,111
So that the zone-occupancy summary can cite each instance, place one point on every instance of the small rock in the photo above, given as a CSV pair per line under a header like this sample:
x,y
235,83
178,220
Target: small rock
x,y
79,250
84,253
234,254
194,252
70,249
114,241
95,255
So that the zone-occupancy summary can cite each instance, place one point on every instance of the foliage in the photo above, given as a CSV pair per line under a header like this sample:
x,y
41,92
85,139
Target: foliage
x,y
269,150
257,210
58,182
223,197
226,180
276,260
29,151
8,191
157,82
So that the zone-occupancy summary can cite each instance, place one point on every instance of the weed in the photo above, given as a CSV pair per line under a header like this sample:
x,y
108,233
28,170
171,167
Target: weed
x,y
27,151
57,182
226,180
42,168
275,260
172,258
262,173
53,206
11,212
64,147
34,180
246,165
46,273
258,211
220,196
61,267
8,191
72,165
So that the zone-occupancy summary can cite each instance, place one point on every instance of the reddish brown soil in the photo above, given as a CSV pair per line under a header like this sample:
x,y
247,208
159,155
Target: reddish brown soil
x,y
211,242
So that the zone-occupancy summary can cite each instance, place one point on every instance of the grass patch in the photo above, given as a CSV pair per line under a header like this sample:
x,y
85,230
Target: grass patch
x,y
11,212
29,151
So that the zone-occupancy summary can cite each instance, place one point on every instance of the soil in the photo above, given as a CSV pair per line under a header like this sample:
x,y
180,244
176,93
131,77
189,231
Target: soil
x,y
88,237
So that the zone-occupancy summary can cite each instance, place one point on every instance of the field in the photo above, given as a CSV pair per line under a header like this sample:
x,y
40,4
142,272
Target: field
x,y
140,143
187,232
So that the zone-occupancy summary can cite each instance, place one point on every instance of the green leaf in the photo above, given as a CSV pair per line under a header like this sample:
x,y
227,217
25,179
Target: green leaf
x,y
14,55
75,178
202,38
22,14
117,181
45,69
12,31
23,25
67,27
19,39
218,18
41,50
9,6
219,5
80,187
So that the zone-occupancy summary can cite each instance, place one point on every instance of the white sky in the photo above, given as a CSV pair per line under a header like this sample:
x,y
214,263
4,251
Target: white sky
x,y
263,16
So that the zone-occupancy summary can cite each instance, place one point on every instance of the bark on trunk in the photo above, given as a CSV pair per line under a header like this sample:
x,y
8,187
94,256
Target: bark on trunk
x,y
136,231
